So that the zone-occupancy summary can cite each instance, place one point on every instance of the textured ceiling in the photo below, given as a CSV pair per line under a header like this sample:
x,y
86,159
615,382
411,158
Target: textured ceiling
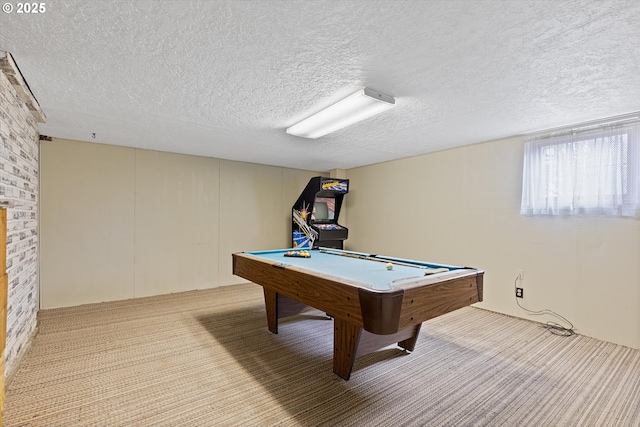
x,y
226,78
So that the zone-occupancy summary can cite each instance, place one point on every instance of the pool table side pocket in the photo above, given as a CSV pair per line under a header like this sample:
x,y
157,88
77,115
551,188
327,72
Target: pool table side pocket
x,y
381,310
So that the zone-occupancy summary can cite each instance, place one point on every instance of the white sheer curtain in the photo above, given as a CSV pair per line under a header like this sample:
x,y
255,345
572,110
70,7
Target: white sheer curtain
x,y
592,171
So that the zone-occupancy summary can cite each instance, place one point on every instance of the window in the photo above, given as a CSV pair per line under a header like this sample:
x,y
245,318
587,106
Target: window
x,y
592,170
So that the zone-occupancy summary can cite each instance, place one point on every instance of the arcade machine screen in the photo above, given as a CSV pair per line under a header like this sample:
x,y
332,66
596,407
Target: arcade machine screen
x,y
324,214
324,208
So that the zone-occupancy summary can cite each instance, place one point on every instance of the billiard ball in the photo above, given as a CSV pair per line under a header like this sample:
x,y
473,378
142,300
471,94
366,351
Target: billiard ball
x,y
389,266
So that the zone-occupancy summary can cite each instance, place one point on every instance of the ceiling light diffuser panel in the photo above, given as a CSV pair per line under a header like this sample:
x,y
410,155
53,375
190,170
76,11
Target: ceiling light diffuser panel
x,y
354,108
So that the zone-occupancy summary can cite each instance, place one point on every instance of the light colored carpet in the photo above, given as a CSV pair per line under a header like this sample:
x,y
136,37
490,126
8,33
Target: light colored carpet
x,y
205,358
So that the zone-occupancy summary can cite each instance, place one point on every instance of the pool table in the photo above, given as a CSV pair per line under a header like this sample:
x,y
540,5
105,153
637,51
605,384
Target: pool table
x,y
374,300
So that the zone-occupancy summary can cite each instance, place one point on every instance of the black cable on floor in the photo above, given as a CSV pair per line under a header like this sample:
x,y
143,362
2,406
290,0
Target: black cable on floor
x,y
553,327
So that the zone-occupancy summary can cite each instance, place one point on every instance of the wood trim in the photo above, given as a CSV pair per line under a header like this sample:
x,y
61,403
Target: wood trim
x,y
4,283
3,240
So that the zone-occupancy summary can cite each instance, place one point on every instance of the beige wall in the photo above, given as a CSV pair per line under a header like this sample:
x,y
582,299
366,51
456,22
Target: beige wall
x,y
176,222
86,223
462,207
121,223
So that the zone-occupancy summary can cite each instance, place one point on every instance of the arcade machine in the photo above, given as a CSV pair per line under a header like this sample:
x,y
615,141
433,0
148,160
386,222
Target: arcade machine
x,y
315,214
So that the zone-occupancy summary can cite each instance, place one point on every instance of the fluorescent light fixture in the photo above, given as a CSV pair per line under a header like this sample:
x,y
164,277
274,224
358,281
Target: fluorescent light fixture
x,y
358,106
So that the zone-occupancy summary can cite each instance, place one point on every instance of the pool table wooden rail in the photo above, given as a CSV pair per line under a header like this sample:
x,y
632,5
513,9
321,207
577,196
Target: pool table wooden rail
x,y
329,294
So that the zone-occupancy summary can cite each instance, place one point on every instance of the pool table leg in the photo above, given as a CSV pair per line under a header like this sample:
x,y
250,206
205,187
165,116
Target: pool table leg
x,y
279,306
350,340
410,343
345,345
271,307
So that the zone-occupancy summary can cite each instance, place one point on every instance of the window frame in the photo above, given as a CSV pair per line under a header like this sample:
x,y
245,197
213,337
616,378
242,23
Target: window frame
x,y
542,195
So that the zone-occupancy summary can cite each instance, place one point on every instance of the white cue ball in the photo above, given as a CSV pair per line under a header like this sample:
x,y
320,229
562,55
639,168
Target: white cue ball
x,y
389,266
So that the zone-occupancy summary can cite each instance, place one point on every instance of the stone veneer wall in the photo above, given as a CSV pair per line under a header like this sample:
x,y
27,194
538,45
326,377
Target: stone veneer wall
x,y
19,183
